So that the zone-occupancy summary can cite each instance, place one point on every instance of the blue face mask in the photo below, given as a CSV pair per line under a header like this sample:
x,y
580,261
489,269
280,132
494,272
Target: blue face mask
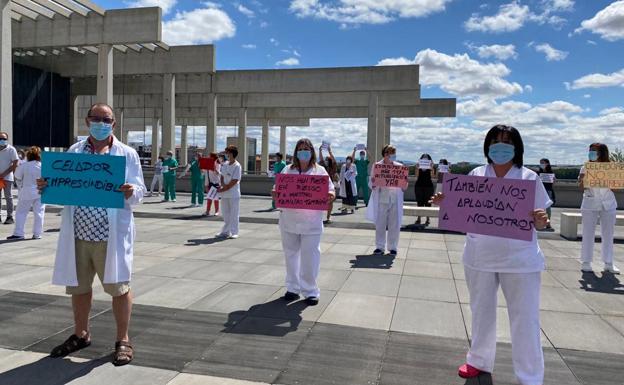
x,y
100,131
3,142
592,155
304,155
502,153
393,157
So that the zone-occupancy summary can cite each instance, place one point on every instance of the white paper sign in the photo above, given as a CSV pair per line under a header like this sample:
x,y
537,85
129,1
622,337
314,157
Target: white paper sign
x,y
271,174
443,168
547,178
360,147
165,168
349,173
424,164
325,145
212,194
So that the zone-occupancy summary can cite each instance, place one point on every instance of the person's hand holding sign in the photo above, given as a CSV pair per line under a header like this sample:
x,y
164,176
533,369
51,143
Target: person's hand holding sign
x,y
127,189
41,184
332,196
437,199
540,218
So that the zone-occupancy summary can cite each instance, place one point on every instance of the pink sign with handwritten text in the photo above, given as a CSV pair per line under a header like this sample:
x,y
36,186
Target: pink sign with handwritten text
x,y
489,206
300,191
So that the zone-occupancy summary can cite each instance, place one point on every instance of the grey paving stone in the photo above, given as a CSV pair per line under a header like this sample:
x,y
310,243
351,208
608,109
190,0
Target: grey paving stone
x,y
386,264
197,379
212,252
177,268
347,356
616,322
562,264
581,332
441,319
222,271
254,256
348,248
255,349
277,307
361,310
129,374
595,368
435,289
417,359
562,299
374,284
428,269
178,293
428,255
331,279
234,297
13,304
264,275
427,244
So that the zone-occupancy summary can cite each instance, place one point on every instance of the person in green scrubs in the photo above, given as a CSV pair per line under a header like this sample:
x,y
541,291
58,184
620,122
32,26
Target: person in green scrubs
x,y
362,163
197,181
279,165
170,164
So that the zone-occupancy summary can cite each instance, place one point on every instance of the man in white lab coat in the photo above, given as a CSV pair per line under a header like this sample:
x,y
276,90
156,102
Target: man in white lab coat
x,y
99,241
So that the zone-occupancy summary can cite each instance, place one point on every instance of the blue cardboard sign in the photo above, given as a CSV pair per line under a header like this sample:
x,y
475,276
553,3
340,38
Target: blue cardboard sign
x,y
83,179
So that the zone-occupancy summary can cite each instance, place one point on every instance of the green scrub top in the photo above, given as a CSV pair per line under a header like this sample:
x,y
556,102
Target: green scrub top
x,y
172,164
278,167
196,172
362,168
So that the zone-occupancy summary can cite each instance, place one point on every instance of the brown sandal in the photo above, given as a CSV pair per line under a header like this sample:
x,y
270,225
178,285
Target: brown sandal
x,y
123,353
72,344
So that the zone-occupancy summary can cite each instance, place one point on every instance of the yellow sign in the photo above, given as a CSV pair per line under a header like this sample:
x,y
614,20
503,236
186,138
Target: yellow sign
x,y
604,175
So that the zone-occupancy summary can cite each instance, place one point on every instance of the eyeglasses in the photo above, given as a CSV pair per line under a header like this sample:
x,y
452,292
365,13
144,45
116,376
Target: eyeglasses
x,y
100,119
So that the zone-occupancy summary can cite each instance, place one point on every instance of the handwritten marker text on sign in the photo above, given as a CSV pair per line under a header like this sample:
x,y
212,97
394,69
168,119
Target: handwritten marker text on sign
x,y
389,175
604,175
83,179
489,206
300,191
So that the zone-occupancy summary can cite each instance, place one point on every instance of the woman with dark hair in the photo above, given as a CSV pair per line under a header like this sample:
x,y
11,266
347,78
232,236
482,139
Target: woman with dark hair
x,y
598,203
424,188
330,165
545,168
301,232
229,192
514,265
29,198
348,187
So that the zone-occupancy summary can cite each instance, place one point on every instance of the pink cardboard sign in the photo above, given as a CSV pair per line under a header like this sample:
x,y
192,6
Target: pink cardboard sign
x,y
296,191
389,175
489,206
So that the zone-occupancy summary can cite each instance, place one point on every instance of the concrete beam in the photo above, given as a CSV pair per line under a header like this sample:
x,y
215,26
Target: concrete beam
x,y
117,26
428,108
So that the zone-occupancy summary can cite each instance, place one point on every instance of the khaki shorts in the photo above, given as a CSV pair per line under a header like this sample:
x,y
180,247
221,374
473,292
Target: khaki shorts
x,y
91,260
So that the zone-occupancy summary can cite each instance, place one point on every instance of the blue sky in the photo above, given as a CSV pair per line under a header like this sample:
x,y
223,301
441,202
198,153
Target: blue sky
x,y
552,68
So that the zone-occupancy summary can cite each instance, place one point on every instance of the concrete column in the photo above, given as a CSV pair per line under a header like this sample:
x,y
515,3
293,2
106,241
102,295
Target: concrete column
x,y
119,130
168,118
211,124
155,137
105,74
6,70
387,126
264,155
381,123
371,134
242,138
184,145
283,141
75,124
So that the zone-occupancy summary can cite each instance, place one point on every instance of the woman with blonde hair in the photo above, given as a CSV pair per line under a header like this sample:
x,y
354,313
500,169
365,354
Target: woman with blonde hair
x,y
28,198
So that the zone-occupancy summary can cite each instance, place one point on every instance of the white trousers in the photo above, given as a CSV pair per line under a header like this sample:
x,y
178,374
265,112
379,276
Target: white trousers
x,y
607,226
303,262
157,179
387,218
522,293
229,211
23,207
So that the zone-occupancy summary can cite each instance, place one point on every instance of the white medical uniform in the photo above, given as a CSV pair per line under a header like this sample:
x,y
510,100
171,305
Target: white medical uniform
x,y
230,199
598,203
350,176
516,266
158,177
385,209
301,240
27,174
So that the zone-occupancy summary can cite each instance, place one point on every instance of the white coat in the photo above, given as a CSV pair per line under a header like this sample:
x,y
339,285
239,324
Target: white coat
x,y
121,232
373,204
598,199
350,176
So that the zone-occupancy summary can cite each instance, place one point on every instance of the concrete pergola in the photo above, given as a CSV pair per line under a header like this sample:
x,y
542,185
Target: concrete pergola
x,y
180,85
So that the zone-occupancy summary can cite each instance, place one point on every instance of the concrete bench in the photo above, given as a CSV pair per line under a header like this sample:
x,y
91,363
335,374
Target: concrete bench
x,y
570,221
415,211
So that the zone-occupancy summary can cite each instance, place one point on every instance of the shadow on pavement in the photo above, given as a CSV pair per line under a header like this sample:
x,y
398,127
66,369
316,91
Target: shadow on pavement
x,y
276,318
50,370
607,283
372,261
482,379
203,241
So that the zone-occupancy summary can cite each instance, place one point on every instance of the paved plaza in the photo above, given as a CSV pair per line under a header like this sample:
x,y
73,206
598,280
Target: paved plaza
x,y
209,311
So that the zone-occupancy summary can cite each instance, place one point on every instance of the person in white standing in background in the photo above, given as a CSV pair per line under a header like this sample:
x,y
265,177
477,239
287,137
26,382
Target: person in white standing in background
x,y
158,177
229,192
514,265
27,174
8,163
301,231
21,155
385,208
598,203
348,186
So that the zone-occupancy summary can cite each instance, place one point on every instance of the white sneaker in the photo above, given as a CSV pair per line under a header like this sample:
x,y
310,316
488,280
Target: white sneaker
x,y
587,267
222,235
611,268
233,236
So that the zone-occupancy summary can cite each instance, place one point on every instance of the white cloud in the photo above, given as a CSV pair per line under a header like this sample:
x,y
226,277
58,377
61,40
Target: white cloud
x,y
166,5
598,80
528,88
274,41
461,75
587,96
612,110
552,54
246,11
296,53
500,52
264,24
249,46
608,23
292,61
591,42
558,5
365,11
510,17
198,26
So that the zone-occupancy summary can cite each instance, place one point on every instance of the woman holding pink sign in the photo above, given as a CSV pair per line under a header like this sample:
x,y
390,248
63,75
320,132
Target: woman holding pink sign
x,y
385,208
301,231
514,265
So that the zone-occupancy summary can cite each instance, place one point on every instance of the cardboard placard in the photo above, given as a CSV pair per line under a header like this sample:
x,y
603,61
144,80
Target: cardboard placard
x,y
300,191
547,177
83,179
389,175
489,206
604,175
360,147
